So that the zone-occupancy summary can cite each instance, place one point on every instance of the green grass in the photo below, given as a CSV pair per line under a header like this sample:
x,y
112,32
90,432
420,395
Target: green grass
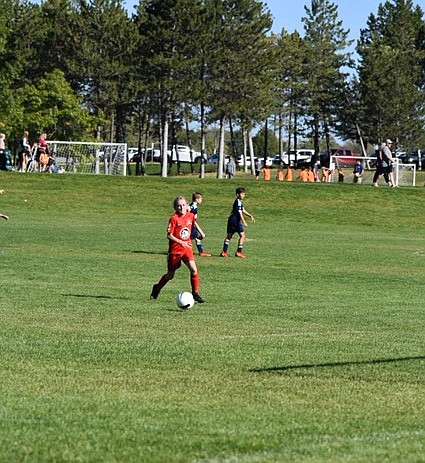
x,y
310,350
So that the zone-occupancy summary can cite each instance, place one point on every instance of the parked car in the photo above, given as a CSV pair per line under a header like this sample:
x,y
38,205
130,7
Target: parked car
x,y
298,158
343,155
152,155
413,158
214,158
185,154
265,162
241,161
132,153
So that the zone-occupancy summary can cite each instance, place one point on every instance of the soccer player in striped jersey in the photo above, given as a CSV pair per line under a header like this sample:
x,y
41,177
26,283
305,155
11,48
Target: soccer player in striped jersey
x,y
236,223
197,233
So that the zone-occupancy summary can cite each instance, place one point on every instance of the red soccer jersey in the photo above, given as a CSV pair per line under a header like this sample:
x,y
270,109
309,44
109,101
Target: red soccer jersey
x,y
180,226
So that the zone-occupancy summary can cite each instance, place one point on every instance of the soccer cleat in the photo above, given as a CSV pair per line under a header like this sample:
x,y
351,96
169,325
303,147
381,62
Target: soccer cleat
x,y
155,291
198,298
224,254
205,254
240,254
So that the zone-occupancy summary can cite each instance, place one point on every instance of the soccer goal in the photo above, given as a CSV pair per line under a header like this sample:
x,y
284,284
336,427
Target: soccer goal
x,y
404,174
89,158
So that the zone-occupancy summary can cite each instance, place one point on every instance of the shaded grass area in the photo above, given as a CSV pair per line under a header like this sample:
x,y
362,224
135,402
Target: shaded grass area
x,y
312,349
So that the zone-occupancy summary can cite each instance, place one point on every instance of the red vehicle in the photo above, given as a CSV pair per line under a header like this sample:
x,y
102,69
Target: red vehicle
x,y
342,155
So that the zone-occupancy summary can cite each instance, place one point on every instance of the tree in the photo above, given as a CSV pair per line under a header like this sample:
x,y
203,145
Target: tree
x,y
292,86
259,142
240,71
391,74
107,40
52,106
325,41
167,30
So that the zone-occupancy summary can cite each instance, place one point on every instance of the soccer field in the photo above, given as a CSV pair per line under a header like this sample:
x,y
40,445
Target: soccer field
x,y
310,350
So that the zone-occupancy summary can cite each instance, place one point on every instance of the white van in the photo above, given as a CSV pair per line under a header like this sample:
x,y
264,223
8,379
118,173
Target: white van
x,y
184,154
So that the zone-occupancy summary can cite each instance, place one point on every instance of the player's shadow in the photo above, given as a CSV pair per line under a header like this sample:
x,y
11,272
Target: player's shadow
x,y
301,366
94,296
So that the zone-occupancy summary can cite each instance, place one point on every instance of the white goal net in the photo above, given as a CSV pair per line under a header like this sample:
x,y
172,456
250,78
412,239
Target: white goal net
x,y
89,158
343,167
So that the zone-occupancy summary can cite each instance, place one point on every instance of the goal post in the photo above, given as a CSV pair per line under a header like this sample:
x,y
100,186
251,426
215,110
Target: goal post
x,y
404,174
89,157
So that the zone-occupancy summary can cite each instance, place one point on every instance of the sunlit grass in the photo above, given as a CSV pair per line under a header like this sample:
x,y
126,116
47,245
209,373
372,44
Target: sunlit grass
x,y
312,349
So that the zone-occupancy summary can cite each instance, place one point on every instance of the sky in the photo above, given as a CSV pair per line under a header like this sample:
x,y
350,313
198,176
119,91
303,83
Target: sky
x,y
288,13
352,13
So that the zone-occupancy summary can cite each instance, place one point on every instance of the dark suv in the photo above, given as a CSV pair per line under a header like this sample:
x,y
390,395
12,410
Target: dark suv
x,y
413,158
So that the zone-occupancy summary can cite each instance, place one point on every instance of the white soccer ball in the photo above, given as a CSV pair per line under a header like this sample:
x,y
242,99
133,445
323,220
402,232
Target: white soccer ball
x,y
185,300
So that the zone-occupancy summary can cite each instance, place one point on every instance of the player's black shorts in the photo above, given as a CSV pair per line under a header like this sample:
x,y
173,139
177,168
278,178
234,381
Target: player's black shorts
x,y
234,225
195,234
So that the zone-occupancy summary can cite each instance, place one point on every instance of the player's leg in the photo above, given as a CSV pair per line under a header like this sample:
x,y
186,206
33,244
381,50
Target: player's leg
x,y
198,241
173,263
231,230
224,252
239,252
194,280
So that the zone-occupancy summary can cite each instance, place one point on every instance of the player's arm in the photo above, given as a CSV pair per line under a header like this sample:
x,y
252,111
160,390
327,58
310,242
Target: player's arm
x,y
248,214
242,218
185,244
198,227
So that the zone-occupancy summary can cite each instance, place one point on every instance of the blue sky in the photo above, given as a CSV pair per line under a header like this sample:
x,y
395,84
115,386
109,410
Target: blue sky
x,y
352,13
288,13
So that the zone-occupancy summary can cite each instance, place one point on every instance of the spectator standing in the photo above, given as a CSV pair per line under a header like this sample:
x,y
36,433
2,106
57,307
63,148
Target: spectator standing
x,y
24,150
42,156
257,168
384,164
358,172
387,162
5,160
230,168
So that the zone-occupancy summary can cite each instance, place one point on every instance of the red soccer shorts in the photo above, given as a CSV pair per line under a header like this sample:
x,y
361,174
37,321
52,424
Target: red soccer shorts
x,y
174,261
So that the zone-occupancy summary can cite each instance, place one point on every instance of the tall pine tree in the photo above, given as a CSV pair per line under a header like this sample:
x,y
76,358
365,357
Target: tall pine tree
x,y
391,74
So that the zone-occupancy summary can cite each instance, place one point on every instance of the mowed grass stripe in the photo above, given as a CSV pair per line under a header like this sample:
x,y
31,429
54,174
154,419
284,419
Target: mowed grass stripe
x,y
330,300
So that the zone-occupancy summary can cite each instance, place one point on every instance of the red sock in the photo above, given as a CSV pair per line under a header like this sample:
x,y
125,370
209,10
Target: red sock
x,y
162,282
194,281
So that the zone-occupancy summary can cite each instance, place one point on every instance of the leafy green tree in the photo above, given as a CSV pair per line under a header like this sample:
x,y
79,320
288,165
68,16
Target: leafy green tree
x,y
391,74
292,85
107,40
51,105
272,142
168,60
240,71
12,19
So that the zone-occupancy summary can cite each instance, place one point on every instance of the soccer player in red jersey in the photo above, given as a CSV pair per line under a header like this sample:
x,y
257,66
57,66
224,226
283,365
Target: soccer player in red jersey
x,y
180,248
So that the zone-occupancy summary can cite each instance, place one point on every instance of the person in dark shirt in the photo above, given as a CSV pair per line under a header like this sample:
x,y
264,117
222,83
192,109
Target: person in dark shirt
x,y
236,223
